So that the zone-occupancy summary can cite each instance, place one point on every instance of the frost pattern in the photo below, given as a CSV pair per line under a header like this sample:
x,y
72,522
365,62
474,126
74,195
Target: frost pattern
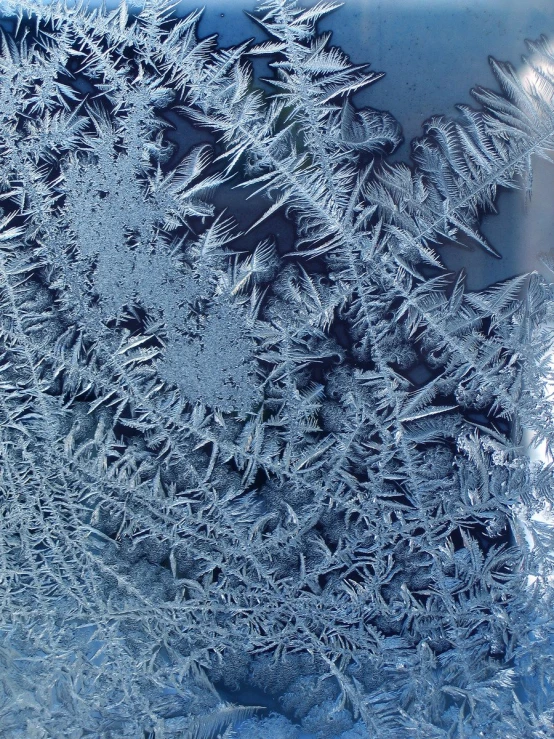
x,y
232,463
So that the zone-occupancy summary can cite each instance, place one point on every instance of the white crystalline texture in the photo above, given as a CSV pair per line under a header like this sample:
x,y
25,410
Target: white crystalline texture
x,y
256,443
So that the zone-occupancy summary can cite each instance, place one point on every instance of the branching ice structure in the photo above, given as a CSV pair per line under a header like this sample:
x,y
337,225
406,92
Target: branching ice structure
x,y
297,470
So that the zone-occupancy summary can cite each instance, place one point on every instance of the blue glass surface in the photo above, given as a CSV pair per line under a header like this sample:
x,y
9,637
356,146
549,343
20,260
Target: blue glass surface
x,y
276,422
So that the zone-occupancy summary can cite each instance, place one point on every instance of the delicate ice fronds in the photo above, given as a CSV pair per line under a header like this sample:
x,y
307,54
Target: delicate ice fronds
x,y
234,463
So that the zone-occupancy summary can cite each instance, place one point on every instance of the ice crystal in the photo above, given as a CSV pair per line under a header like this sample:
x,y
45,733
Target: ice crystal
x,y
252,483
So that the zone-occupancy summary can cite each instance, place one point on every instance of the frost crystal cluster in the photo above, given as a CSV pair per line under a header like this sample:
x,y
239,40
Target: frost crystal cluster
x,y
264,473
